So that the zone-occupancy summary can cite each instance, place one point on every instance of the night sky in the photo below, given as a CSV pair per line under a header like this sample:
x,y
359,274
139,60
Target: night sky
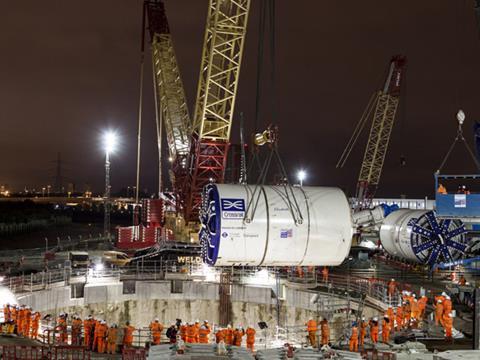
x,y
69,69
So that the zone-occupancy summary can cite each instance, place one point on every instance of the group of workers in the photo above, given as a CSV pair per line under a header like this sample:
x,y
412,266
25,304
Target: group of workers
x,y
312,329
20,320
200,333
462,189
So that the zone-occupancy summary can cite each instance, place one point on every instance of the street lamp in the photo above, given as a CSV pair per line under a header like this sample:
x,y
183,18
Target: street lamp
x,y
301,175
109,145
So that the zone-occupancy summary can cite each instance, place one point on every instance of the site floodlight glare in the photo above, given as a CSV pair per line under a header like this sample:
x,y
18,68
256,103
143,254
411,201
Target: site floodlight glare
x,y
301,175
99,267
110,141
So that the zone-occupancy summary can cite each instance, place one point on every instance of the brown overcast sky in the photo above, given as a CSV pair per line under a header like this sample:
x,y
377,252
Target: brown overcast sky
x,y
69,69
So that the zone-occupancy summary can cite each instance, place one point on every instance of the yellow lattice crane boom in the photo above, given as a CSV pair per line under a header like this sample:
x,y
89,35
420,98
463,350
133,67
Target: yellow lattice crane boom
x,y
170,99
383,104
217,88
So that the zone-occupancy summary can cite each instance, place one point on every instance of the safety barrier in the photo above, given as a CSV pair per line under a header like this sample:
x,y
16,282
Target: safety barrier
x,y
17,352
134,354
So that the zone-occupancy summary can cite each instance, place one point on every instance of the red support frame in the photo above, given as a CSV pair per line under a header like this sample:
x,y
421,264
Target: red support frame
x,y
208,165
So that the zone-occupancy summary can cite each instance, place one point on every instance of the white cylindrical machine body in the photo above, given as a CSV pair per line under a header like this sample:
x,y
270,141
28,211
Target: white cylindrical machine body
x,y
395,233
275,225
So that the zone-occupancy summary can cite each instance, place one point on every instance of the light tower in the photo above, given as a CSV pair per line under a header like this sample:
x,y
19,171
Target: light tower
x,y
301,175
109,144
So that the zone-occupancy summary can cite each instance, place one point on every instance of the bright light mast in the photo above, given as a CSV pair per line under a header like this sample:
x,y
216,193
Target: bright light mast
x,y
109,144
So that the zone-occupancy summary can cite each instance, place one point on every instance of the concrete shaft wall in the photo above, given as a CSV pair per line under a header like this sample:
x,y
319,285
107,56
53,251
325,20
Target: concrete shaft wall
x,y
197,300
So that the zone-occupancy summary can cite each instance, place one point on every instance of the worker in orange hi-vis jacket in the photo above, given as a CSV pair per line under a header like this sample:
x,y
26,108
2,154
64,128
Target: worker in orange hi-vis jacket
x,y
353,342
399,318
390,313
392,286
386,328
35,325
312,331
325,332
88,325
250,338
229,335
102,336
191,333
183,331
203,334
422,305
415,310
447,305
62,328
128,335
27,322
439,312
374,330
238,336
448,323
112,339
156,329
219,336
76,330
363,331
20,320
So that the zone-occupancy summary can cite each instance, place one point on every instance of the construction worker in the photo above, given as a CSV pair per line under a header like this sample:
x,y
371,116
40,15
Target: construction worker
x,y
439,312
197,328
88,325
96,326
390,313
250,338
422,305
441,189
183,331
128,335
386,328
112,334
363,331
399,316
156,330
448,324
312,331
191,333
415,310
238,336
353,343
207,325
325,332
392,286
76,330
447,305
102,337
325,274
374,330
407,313
20,320
35,325
62,328
203,334
27,322
219,336
229,335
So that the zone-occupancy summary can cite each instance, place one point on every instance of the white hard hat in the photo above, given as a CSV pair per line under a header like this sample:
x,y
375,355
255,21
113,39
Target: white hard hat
x,y
439,301
414,295
447,297
197,321
89,316
375,319
444,293
450,314
363,317
393,279
229,326
205,321
156,319
386,316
